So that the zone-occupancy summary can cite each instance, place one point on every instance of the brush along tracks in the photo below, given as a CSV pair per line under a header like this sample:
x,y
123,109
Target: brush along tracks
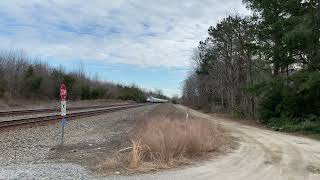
x,y
69,116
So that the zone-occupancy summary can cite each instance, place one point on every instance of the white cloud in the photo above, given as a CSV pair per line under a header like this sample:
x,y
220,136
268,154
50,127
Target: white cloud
x,y
139,32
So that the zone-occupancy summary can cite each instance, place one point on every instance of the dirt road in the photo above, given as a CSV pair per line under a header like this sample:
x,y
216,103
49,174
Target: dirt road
x,y
262,154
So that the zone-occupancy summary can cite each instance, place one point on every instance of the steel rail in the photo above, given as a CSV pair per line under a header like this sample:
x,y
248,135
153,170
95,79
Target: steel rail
x,y
69,116
50,110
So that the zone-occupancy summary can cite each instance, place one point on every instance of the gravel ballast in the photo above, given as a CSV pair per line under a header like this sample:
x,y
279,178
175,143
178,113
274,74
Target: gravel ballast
x,y
33,152
44,171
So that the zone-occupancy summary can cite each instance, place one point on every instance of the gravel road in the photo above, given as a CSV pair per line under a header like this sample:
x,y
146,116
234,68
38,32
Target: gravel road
x,y
262,154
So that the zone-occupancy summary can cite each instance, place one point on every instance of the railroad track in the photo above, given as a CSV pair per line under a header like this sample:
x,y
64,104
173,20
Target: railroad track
x,y
70,116
51,110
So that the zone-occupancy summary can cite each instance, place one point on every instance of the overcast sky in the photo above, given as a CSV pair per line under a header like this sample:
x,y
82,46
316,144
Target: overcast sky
x,y
146,42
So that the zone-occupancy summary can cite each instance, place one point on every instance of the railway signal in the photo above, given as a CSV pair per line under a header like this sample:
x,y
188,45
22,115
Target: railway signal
x,y
63,97
63,92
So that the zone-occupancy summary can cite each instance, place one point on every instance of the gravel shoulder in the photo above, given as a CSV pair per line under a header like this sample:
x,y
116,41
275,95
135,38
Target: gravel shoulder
x,y
34,152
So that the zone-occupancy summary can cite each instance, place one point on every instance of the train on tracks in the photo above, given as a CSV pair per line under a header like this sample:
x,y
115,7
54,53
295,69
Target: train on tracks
x,y
156,100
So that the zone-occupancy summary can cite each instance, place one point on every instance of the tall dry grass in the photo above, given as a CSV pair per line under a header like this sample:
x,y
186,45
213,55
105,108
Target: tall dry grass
x,y
168,141
166,137
135,154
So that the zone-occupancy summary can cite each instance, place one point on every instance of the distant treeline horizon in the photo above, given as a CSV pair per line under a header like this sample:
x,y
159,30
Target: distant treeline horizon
x,y
25,78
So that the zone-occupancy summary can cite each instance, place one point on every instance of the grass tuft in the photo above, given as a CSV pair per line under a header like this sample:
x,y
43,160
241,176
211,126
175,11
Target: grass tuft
x,y
135,154
167,137
167,141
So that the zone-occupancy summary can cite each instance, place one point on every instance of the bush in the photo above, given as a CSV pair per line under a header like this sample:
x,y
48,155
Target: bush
x,y
97,93
85,92
305,126
31,83
237,113
291,101
132,93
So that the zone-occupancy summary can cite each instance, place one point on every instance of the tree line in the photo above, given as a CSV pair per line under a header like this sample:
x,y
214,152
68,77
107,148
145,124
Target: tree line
x,y
23,78
265,66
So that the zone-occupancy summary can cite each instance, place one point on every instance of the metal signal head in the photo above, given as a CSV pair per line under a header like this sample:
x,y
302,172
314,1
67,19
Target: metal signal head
x,y
63,92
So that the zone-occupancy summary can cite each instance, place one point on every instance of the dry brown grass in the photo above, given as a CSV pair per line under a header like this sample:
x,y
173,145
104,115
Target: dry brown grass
x,y
166,138
168,141
135,154
117,161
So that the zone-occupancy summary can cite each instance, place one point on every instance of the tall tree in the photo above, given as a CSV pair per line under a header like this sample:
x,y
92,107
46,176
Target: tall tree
x,y
226,65
289,32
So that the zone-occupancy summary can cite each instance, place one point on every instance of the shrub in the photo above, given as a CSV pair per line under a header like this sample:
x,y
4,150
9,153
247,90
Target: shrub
x,y
97,93
237,113
132,93
290,101
85,92
307,125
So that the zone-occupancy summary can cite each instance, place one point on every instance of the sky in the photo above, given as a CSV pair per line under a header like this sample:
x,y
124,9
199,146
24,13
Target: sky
x,y
145,42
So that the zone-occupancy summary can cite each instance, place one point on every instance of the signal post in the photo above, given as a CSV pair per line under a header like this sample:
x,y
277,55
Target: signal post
x,y
63,97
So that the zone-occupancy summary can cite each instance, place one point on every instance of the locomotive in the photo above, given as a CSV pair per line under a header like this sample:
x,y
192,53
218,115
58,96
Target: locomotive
x,y
156,100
